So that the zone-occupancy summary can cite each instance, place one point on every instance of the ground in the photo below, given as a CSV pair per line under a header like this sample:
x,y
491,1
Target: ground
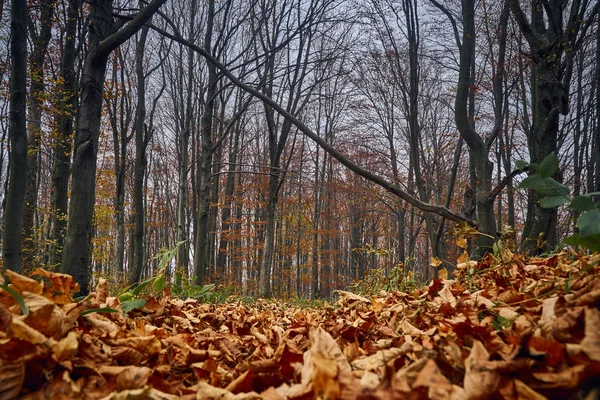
x,y
508,327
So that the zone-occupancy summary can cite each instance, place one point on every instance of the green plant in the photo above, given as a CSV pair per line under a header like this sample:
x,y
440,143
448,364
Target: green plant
x,y
375,280
557,194
130,296
502,323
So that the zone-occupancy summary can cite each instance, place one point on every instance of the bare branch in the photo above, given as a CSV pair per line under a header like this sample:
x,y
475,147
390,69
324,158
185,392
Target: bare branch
x,y
443,211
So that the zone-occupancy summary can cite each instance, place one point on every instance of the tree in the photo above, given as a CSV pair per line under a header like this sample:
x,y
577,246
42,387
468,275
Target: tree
x,y
142,136
201,250
553,42
15,198
120,111
62,146
105,35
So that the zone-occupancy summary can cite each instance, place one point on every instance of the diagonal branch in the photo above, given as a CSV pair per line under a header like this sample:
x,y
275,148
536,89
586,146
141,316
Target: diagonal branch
x,y
123,34
384,183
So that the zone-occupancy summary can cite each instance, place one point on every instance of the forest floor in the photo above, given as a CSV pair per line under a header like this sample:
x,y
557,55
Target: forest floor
x,y
508,327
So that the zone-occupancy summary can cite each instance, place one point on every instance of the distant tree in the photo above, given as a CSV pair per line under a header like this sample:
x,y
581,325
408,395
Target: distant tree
x,y
40,36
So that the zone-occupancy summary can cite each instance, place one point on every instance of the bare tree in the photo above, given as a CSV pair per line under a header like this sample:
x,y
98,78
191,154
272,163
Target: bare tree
x,y
61,156
105,35
553,43
41,37
15,198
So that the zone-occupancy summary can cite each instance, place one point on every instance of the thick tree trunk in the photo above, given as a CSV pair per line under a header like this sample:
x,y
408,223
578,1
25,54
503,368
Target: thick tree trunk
x,y
61,159
15,198
597,131
478,150
76,260
552,64
76,257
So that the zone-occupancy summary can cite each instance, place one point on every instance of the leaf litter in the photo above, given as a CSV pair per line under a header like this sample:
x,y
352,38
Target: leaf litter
x,y
507,327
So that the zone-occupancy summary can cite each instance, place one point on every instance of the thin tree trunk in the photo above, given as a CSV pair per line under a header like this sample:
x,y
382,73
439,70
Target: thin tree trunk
x,y
183,233
34,130
226,225
141,142
201,250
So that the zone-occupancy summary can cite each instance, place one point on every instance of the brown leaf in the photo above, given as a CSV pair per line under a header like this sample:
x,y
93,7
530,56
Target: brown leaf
x,y
13,375
591,341
208,392
480,381
61,286
65,348
24,284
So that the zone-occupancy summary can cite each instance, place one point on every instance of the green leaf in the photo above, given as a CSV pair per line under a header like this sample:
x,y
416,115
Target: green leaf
x,y
133,304
589,223
531,182
159,283
590,242
582,203
549,166
554,201
547,186
18,298
521,165
99,310
127,296
550,187
139,288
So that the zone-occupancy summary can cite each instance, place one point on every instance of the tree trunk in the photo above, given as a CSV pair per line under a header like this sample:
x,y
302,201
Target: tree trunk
x,y
120,117
141,141
183,232
597,131
597,124
553,42
36,99
15,198
76,260
226,225
61,159
201,250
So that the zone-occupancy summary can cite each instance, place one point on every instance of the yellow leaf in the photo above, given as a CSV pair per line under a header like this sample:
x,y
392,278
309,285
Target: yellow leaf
x,y
464,257
443,274
461,242
435,262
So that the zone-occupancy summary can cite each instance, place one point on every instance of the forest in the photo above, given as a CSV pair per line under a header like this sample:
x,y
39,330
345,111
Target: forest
x,y
300,199
290,148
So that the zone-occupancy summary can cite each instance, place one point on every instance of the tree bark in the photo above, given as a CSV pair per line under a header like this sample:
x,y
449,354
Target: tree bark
x,y
15,198
201,250
597,130
61,157
141,141
76,260
549,38
478,148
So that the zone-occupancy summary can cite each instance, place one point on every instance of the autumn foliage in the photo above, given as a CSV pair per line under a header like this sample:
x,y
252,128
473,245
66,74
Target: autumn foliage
x,y
507,327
